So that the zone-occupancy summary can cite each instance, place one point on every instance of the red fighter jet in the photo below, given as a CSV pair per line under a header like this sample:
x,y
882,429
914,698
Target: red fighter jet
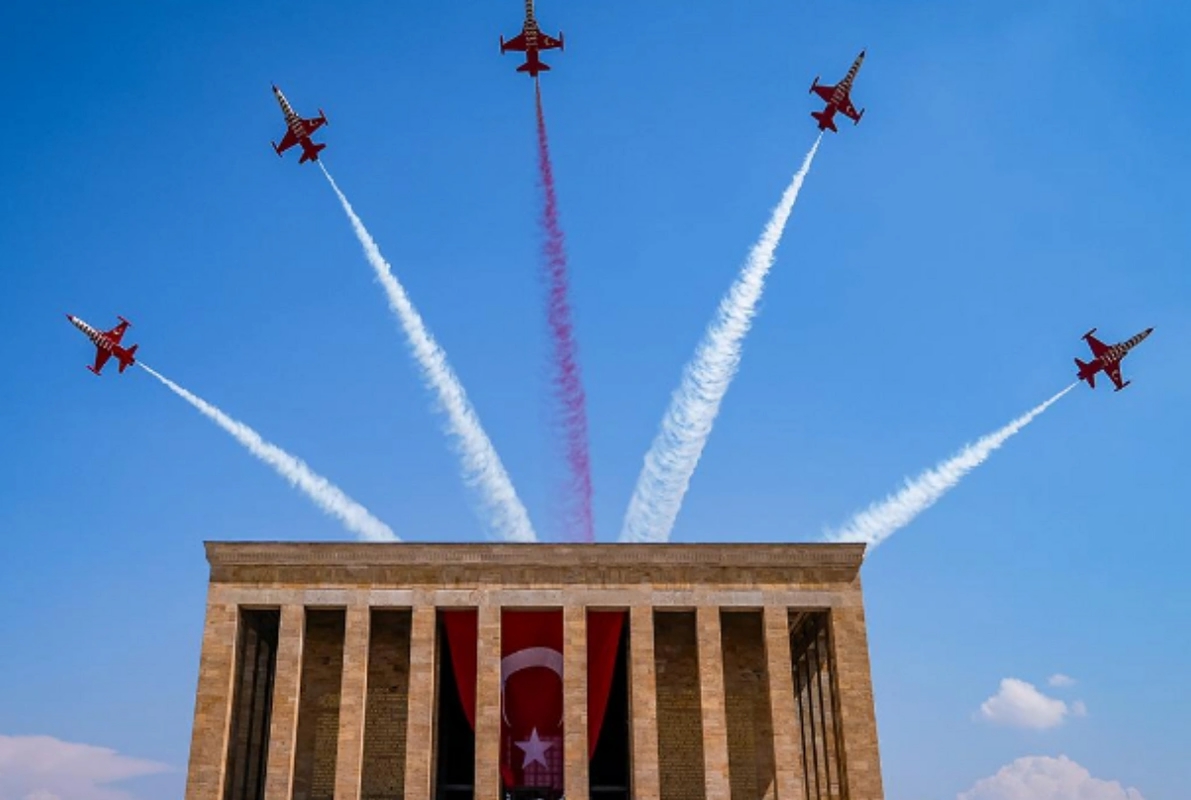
x,y
298,131
839,98
107,343
531,41
1107,358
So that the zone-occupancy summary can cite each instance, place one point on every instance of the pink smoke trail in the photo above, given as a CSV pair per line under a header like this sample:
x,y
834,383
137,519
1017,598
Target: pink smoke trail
x,y
568,385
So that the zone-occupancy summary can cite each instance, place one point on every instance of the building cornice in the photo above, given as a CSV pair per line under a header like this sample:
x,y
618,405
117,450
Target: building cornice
x,y
528,564
366,554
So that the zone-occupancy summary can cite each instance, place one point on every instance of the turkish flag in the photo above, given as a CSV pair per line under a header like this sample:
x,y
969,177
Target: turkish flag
x,y
603,647
531,752
531,685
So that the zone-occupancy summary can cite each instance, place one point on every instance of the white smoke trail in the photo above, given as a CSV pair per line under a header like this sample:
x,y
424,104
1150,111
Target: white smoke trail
x,y
481,465
676,449
325,494
882,519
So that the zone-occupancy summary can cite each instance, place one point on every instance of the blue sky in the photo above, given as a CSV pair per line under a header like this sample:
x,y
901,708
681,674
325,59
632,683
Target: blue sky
x,y
1017,179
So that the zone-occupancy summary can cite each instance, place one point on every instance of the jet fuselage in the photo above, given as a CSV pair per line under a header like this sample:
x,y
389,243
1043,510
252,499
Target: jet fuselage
x,y
838,98
298,130
107,344
1107,358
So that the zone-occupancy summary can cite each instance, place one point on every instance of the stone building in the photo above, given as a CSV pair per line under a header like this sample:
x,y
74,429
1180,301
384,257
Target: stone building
x,y
654,672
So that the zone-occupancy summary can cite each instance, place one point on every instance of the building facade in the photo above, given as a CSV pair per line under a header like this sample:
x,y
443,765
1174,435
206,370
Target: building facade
x,y
490,671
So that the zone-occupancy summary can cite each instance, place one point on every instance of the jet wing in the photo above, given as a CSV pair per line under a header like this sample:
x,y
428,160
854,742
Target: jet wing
x,y
849,110
288,141
1114,372
312,125
1098,347
824,91
101,358
516,43
117,333
548,42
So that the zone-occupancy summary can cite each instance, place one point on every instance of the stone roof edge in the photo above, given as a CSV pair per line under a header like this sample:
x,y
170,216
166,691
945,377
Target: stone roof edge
x,y
364,554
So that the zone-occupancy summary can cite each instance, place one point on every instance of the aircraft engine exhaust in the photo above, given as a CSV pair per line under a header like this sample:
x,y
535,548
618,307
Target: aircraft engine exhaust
x,y
325,494
482,467
882,519
568,384
676,449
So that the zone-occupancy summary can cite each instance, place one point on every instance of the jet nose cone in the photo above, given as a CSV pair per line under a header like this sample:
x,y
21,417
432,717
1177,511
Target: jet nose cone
x,y
1149,331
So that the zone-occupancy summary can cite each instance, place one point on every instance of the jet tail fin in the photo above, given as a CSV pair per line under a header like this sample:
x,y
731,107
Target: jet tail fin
x,y
128,360
542,66
311,153
825,120
1086,374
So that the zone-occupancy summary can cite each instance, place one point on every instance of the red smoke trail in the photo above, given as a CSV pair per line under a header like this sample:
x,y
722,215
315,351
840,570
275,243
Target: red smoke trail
x,y
567,382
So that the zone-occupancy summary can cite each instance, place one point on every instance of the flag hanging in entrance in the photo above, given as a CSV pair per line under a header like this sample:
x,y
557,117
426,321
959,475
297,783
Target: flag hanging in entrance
x,y
531,699
531,669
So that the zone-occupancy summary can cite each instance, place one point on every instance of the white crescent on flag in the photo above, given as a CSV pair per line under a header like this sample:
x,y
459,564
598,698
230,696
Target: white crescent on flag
x,y
511,664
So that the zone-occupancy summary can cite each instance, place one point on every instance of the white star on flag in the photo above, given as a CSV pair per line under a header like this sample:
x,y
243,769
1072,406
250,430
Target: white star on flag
x,y
535,749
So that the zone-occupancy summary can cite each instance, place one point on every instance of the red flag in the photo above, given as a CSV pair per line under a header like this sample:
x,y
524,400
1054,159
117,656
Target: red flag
x,y
603,646
531,699
462,627
531,752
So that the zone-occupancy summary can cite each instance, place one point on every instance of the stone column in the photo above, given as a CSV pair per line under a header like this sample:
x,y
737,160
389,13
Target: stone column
x,y
213,703
853,682
574,702
643,705
787,737
711,689
423,690
488,701
353,699
287,686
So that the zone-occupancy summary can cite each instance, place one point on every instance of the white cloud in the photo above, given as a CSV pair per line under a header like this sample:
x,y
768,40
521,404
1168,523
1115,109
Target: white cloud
x,y
1060,681
45,768
1019,704
1046,778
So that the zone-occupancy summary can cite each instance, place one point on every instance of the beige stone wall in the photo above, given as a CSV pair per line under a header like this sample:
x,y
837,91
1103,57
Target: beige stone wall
x,y
709,720
569,570
213,704
239,758
423,693
711,702
318,710
383,775
249,732
353,698
574,675
746,698
853,681
679,710
286,688
821,747
488,630
789,775
643,705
